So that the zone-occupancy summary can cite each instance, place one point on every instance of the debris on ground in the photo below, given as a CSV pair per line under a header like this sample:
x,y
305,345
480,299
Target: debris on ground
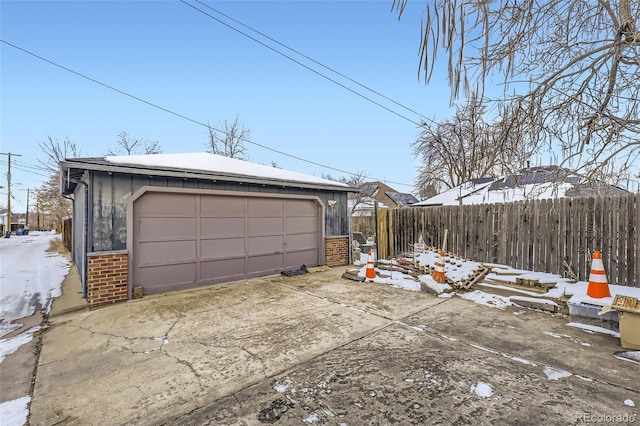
x,y
292,272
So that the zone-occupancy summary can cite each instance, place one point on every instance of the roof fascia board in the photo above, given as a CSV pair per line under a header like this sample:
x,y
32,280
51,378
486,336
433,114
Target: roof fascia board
x,y
150,171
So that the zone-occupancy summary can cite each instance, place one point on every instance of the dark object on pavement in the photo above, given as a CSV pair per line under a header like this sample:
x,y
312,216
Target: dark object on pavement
x,y
291,272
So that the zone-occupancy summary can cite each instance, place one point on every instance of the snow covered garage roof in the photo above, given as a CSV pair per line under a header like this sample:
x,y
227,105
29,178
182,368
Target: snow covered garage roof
x,y
199,165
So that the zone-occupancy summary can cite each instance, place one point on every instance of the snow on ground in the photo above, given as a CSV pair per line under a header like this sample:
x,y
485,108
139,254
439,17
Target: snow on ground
x,y
15,412
31,278
458,269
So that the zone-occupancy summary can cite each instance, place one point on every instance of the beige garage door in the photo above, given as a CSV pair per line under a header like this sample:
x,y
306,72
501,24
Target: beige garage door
x,y
185,240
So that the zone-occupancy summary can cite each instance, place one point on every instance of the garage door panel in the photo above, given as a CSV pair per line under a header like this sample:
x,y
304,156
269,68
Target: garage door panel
x,y
186,240
301,208
157,279
222,227
168,204
301,224
222,248
265,263
303,257
265,245
222,206
166,227
265,207
166,252
301,242
265,225
220,270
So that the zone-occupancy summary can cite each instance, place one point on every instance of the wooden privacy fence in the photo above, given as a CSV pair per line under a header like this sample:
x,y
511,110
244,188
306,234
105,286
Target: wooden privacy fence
x,y
556,236
67,233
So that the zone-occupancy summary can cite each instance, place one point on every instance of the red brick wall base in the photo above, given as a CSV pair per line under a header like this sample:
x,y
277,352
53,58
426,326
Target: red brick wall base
x,y
107,276
336,251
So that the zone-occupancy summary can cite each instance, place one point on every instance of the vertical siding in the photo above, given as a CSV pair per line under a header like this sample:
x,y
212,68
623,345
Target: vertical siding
x,y
109,193
79,235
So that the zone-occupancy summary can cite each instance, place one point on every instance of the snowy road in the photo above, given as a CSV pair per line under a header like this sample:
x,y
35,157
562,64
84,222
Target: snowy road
x,y
29,277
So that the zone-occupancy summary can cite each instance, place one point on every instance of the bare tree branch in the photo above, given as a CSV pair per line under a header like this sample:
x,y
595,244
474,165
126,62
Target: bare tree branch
x,y
230,140
580,62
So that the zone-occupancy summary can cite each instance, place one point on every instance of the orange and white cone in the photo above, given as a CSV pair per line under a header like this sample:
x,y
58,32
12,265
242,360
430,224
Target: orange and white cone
x,y
438,274
598,285
371,273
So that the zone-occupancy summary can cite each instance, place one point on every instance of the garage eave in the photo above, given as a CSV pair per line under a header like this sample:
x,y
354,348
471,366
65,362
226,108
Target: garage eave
x,y
77,166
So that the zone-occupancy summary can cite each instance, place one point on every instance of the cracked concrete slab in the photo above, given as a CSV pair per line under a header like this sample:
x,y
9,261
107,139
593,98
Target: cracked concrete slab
x,y
169,354
320,349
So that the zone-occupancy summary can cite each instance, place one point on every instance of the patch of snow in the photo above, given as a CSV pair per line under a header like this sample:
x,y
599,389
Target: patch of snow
x,y
573,339
313,418
9,346
487,299
286,385
453,339
631,356
512,289
15,412
437,288
533,299
555,373
578,292
31,277
506,355
629,403
396,279
482,389
594,328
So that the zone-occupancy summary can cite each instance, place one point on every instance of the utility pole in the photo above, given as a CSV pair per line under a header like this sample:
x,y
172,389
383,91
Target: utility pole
x,y
26,224
8,154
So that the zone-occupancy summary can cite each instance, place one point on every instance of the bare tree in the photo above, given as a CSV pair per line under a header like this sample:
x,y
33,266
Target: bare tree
x,y
467,147
230,140
131,146
572,65
51,201
55,151
355,180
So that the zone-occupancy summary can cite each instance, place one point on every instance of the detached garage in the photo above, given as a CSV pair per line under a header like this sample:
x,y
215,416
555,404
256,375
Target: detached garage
x,y
169,222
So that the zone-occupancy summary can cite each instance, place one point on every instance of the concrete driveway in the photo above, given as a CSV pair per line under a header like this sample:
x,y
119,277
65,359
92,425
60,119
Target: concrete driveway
x,y
319,349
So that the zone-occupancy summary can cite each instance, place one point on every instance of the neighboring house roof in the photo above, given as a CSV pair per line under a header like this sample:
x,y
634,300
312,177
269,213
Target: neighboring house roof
x,y
386,196
531,183
200,165
402,199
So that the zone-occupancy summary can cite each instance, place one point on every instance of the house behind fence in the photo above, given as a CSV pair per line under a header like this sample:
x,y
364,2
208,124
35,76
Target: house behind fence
x,y
556,235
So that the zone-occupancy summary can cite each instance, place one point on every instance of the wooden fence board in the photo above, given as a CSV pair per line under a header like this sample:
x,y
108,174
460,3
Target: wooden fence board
x,y
535,235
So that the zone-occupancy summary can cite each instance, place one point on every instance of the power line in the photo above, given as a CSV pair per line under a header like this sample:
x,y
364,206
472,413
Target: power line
x,y
302,65
311,59
21,168
183,116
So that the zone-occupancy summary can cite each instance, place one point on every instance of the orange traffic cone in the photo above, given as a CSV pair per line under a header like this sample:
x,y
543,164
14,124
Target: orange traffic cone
x,y
371,273
598,285
438,274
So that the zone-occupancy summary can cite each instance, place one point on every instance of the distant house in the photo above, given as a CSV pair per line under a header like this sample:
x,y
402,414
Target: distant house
x,y
541,182
17,220
178,221
363,203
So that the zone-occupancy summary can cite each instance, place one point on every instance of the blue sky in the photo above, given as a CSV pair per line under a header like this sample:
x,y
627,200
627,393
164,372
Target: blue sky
x,y
171,55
